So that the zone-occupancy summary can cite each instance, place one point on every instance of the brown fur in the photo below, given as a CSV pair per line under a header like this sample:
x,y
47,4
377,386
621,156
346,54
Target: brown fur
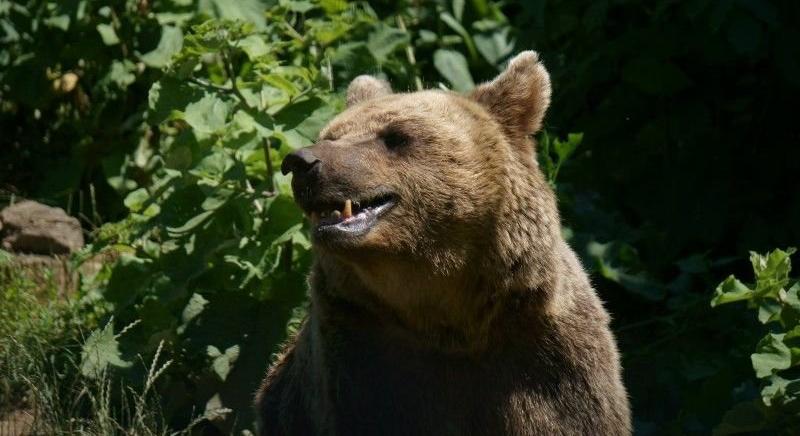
x,y
463,311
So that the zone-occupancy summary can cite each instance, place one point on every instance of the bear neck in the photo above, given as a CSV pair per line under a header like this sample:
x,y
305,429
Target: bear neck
x,y
527,235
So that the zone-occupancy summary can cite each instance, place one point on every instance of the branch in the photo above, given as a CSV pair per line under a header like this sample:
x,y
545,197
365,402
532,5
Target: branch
x,y
234,87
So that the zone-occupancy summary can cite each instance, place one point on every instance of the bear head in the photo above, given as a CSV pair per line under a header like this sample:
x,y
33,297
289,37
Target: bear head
x,y
417,194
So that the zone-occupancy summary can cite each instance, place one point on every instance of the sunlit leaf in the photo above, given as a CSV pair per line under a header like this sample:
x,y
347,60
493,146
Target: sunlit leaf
x,y
384,40
170,43
771,355
452,65
108,34
100,351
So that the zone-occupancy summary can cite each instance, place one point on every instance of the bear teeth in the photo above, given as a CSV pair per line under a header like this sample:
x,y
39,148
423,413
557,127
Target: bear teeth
x,y
347,212
336,214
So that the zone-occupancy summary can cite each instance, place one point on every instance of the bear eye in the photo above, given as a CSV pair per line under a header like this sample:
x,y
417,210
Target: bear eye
x,y
394,139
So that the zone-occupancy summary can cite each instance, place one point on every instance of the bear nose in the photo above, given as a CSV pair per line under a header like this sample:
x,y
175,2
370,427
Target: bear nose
x,y
299,162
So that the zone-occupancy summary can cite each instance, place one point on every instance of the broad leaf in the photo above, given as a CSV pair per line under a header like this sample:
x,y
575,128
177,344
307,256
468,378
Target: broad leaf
x,y
99,351
452,65
170,44
772,355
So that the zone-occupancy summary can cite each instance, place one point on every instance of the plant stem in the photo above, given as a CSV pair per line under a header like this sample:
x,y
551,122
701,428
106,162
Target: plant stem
x,y
213,86
270,169
234,87
412,60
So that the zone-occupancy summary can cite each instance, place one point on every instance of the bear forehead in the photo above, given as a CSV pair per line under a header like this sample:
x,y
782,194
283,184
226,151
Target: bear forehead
x,y
425,113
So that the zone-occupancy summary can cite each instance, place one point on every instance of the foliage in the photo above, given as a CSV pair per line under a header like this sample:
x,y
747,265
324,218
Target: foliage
x,y
52,381
32,316
776,297
553,153
65,70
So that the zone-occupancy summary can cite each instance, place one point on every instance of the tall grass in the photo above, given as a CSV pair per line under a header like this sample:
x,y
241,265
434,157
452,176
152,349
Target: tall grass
x,y
42,388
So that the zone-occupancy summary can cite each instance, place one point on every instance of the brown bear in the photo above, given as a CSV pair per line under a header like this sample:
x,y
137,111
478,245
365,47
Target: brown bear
x,y
444,300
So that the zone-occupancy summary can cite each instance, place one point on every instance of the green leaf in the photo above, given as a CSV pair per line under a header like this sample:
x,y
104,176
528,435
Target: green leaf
x,y
458,9
300,6
742,418
193,308
730,290
769,310
222,363
99,351
458,28
254,46
122,73
792,297
170,94
564,149
138,199
191,224
307,117
170,44
59,22
452,65
774,266
427,37
261,123
247,11
208,115
772,355
637,283
213,166
495,46
333,6
108,34
774,392
384,41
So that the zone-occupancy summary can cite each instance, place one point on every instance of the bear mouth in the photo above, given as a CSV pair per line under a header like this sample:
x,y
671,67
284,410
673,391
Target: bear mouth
x,y
348,218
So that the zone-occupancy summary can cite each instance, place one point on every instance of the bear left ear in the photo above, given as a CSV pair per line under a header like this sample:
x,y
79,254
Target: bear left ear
x,y
519,97
364,88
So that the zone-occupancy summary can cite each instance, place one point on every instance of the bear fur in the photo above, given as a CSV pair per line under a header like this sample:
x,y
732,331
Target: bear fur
x,y
462,310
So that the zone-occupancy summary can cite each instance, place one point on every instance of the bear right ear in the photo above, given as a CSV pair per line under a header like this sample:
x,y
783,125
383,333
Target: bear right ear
x,y
364,88
519,97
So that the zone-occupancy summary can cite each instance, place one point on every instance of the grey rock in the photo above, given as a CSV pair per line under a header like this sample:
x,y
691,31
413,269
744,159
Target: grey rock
x,y
31,227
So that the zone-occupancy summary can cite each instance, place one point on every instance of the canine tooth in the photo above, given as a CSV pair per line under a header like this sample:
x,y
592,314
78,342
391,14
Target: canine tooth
x,y
348,209
336,214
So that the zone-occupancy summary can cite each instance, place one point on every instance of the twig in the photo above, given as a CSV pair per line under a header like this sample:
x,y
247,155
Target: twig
x,y
234,87
292,31
211,85
270,169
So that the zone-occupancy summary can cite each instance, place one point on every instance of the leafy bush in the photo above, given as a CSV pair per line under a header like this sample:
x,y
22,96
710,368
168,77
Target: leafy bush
x,y
776,297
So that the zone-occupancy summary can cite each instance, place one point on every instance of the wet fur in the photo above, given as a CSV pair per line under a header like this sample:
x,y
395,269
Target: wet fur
x,y
464,312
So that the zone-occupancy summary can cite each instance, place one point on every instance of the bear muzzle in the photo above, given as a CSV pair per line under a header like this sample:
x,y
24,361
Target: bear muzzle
x,y
338,212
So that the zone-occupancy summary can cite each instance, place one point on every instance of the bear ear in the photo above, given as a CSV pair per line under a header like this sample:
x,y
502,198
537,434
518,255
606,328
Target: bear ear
x,y
364,88
518,98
